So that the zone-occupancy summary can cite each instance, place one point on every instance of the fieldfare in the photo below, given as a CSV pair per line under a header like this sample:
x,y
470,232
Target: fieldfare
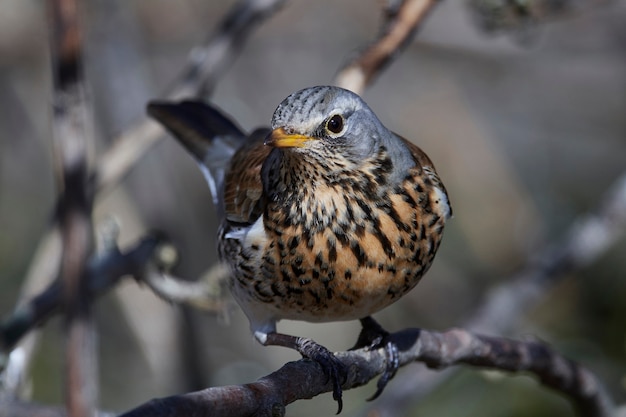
x,y
327,216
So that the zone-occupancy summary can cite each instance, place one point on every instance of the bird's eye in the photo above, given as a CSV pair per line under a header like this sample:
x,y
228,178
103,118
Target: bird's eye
x,y
335,124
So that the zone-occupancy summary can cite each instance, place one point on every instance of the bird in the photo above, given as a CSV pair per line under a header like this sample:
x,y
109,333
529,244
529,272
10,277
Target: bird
x,y
325,216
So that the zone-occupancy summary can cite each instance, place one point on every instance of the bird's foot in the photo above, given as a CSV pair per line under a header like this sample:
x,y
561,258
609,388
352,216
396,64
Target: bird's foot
x,y
373,336
333,368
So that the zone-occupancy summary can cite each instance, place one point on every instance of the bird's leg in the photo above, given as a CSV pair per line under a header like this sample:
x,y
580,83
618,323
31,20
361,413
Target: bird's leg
x,y
333,367
373,336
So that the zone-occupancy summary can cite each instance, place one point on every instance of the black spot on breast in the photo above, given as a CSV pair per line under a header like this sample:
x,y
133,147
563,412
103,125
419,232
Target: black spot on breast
x,y
294,242
381,172
285,275
294,290
341,235
319,259
384,241
269,259
408,198
432,221
358,252
297,270
315,295
261,293
278,290
416,259
332,251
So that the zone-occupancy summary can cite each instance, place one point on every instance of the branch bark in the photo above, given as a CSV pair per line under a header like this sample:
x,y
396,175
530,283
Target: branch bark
x,y
72,135
271,394
400,24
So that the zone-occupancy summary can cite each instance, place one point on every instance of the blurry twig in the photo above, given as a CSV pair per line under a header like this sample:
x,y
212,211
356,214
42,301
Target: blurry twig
x,y
402,20
102,272
147,261
72,134
10,407
588,238
43,269
271,394
209,293
206,64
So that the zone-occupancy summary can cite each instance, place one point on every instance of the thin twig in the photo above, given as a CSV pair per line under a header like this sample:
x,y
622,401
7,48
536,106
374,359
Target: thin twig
x,y
271,394
588,238
14,366
135,141
102,273
400,26
71,136
205,65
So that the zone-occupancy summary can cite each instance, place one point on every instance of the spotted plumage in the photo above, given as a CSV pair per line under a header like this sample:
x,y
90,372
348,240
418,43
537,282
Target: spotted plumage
x,y
328,216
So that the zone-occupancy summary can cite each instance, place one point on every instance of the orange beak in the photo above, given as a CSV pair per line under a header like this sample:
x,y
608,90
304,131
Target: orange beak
x,y
279,138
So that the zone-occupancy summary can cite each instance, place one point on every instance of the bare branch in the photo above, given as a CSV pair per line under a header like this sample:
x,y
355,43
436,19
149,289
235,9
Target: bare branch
x,y
271,394
101,274
43,270
588,239
209,293
72,134
400,26
205,65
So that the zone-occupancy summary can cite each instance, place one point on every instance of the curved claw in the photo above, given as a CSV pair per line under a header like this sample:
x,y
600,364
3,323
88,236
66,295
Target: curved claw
x,y
393,363
373,336
333,368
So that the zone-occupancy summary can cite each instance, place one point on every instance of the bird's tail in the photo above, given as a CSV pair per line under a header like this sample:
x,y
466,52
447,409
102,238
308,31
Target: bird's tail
x,y
211,137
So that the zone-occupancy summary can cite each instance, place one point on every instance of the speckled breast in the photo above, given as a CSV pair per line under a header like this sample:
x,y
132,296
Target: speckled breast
x,y
340,252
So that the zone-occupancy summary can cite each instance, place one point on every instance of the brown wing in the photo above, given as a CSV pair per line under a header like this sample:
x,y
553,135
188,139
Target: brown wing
x,y
243,189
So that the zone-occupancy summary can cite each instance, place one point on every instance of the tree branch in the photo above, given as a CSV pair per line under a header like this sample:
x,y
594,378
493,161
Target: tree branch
x,y
400,25
101,274
72,135
202,69
271,394
205,65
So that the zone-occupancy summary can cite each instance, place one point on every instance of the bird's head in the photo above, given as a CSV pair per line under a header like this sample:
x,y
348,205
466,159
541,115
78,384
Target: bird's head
x,y
325,122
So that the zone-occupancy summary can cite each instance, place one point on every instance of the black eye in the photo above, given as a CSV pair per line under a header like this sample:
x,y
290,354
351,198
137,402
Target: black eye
x,y
335,124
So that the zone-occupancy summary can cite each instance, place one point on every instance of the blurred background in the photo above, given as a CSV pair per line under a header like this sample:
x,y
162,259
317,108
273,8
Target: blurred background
x,y
527,130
